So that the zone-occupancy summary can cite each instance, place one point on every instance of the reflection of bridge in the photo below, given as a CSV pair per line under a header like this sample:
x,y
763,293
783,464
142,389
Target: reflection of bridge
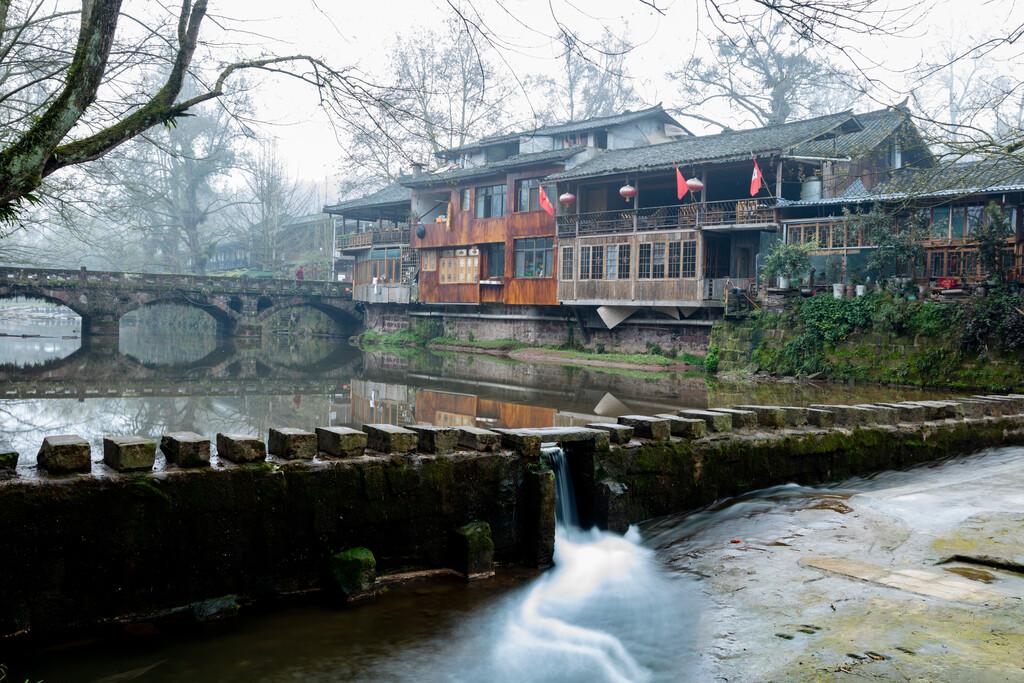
x,y
239,305
99,371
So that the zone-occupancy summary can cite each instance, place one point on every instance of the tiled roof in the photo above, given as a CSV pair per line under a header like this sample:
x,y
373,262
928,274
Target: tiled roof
x,y
395,193
726,146
877,126
943,180
456,174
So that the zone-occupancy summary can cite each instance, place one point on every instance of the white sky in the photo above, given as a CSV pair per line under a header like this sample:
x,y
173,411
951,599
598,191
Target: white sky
x,y
346,32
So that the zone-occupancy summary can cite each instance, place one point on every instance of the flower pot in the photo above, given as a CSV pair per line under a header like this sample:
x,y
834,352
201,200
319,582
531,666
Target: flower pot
x,y
861,290
850,291
837,290
783,282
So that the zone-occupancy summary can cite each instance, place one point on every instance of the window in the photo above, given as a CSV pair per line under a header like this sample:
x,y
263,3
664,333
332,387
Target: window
x,y
644,265
689,266
938,264
658,260
940,223
459,266
624,253
528,195
585,262
429,260
673,259
465,199
495,259
975,218
534,257
490,201
567,257
597,263
612,261
957,224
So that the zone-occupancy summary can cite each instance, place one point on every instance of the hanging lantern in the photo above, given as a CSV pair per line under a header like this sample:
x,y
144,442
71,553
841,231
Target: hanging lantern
x,y
627,191
567,198
695,185
421,232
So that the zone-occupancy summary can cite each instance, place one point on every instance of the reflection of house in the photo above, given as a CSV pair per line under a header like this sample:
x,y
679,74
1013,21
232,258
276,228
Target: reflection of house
x,y
374,230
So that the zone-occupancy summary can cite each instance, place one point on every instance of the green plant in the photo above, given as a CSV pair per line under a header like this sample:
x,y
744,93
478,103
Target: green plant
x,y
896,246
833,268
991,241
711,359
469,336
653,349
599,348
787,260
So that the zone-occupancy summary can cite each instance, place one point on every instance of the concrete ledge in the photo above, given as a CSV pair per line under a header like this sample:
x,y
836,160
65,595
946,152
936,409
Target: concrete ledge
x,y
385,438
616,433
292,444
241,448
64,454
741,419
716,422
340,442
435,439
688,428
478,439
186,449
773,417
129,453
645,427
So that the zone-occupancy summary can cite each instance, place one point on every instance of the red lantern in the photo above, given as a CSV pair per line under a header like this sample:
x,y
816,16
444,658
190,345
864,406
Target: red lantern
x,y
627,191
695,185
567,198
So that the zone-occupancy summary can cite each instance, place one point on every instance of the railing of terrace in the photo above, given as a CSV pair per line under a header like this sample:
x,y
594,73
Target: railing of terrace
x,y
687,216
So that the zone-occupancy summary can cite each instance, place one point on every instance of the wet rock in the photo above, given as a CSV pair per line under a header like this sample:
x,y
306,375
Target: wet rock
x,y
645,427
354,572
539,489
436,439
686,427
64,454
821,418
8,463
523,441
741,419
616,433
478,439
716,422
186,449
129,453
773,417
292,444
612,506
216,609
340,442
474,550
241,448
386,438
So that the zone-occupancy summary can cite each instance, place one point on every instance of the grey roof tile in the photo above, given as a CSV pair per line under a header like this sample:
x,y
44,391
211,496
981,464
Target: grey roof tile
x,y
456,174
395,193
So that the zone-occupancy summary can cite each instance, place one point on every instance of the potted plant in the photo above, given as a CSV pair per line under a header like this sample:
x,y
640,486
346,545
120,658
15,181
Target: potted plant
x,y
785,261
834,274
859,281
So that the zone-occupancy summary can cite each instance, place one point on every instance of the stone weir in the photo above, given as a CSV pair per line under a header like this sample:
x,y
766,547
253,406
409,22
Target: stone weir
x,y
339,512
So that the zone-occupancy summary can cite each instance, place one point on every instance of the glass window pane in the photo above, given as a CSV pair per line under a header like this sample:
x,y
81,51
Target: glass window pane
x,y
957,223
940,223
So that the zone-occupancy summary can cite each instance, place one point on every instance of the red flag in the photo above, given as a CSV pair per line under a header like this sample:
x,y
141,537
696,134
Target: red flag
x,y
756,179
545,203
681,187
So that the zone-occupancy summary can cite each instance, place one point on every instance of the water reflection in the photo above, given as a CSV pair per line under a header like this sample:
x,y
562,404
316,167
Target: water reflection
x,y
34,333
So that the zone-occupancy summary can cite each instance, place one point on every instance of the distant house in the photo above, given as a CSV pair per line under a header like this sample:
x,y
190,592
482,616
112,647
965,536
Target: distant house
x,y
295,241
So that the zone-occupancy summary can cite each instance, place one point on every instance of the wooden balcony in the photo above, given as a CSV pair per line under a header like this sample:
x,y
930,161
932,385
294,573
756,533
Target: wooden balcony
x,y
732,214
364,240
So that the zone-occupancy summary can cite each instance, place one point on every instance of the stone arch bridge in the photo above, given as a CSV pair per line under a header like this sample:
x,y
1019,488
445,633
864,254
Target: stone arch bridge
x,y
240,305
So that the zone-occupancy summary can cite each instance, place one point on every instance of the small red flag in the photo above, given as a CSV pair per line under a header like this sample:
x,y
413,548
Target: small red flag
x,y
681,187
755,180
545,203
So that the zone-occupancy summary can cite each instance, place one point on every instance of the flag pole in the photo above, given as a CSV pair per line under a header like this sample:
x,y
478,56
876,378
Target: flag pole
x,y
763,181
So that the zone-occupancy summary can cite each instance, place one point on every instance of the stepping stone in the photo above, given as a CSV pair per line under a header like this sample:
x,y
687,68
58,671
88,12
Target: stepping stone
x,y
566,436
821,418
340,442
292,444
616,433
741,419
848,416
795,416
478,439
716,422
688,428
64,454
385,438
129,453
645,427
773,417
185,449
241,448
8,463
883,414
435,439
525,442
906,412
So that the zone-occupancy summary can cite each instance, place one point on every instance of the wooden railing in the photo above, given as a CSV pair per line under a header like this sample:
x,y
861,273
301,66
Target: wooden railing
x,y
687,216
365,239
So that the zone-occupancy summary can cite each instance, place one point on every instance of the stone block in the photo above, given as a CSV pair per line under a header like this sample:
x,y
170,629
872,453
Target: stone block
x,y
795,416
386,438
848,416
292,444
741,419
8,463
685,427
478,439
435,439
645,427
611,506
354,572
523,441
573,437
821,418
716,422
932,410
241,448
975,409
340,442
884,415
64,454
185,449
616,433
952,410
474,550
1012,405
773,417
129,453
906,412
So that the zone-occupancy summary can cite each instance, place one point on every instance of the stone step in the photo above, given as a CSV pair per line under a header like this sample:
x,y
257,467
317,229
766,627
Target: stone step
x,y
773,417
741,419
685,427
716,422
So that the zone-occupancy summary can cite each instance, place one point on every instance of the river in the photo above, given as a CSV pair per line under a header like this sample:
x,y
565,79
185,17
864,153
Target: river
x,y
734,592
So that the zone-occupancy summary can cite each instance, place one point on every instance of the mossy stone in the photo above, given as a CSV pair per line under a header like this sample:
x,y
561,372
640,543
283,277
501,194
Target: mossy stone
x,y
241,448
64,454
354,571
475,550
129,453
340,442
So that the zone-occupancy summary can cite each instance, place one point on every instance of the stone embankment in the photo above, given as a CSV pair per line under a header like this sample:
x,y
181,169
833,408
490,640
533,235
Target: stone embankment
x,y
340,511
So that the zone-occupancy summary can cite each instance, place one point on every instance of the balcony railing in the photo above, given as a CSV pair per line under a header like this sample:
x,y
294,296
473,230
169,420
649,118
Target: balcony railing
x,y
687,216
366,239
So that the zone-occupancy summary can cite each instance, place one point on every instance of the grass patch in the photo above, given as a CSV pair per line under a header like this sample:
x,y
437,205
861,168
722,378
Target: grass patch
x,y
633,358
499,344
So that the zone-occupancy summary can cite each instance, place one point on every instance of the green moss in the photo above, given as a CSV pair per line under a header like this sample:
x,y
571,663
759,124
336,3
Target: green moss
x,y
353,570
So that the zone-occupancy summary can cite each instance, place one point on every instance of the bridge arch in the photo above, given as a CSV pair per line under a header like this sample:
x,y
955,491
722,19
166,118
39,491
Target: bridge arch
x,y
58,297
343,315
218,308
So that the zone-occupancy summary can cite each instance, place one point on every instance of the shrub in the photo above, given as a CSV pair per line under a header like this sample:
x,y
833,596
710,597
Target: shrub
x,y
711,359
